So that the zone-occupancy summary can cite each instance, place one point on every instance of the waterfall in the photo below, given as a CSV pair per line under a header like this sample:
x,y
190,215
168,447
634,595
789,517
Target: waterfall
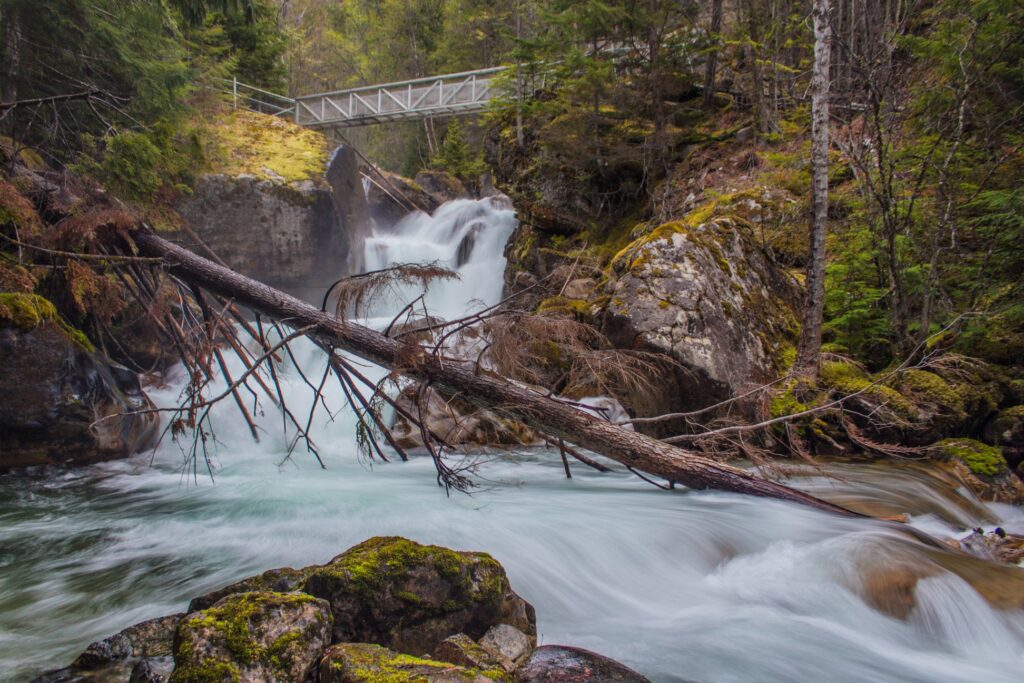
x,y
683,586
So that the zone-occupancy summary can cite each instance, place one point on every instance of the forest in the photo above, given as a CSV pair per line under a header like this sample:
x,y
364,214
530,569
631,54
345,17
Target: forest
x,y
693,336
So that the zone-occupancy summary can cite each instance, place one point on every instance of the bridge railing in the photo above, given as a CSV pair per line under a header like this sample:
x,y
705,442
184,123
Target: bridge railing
x,y
259,100
413,99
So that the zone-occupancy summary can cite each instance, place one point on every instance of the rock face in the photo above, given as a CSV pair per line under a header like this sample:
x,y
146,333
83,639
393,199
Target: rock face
x,y
366,663
410,597
706,296
299,237
253,637
53,389
558,663
1007,430
389,198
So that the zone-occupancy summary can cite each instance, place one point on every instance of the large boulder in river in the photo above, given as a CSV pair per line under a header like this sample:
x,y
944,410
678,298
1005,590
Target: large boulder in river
x,y
60,400
559,663
394,592
709,297
251,638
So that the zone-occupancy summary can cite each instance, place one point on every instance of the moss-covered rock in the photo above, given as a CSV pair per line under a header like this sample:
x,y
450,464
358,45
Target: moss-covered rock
x,y
368,663
282,580
59,401
705,294
1006,430
462,650
981,468
259,636
400,594
267,147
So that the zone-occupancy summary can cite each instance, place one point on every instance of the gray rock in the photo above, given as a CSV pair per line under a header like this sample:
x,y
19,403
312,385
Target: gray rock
x,y
52,390
443,186
509,641
253,637
394,592
153,670
462,650
709,298
559,663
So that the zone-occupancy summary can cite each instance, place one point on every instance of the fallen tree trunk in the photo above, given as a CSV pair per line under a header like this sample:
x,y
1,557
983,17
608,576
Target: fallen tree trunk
x,y
544,414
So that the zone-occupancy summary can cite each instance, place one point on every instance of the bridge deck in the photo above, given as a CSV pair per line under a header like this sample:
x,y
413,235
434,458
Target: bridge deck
x,y
420,98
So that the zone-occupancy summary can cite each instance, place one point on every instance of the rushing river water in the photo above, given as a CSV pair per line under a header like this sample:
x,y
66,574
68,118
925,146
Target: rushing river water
x,y
681,585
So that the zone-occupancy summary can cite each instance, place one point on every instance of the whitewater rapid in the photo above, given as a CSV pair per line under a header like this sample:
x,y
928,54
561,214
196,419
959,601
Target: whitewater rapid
x,y
683,586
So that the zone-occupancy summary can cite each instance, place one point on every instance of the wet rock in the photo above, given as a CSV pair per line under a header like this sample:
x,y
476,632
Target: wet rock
x,y
464,651
391,197
458,423
283,580
508,641
367,663
350,205
442,186
708,297
253,637
290,236
1007,431
559,663
54,390
394,592
981,468
998,545
153,670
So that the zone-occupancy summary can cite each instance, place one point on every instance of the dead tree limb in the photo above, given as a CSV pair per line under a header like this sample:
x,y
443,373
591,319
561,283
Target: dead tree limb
x,y
542,413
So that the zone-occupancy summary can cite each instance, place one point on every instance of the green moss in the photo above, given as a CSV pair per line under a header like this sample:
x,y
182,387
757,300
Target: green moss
x,y
368,663
207,671
847,378
409,597
26,312
267,147
785,402
231,621
579,308
980,458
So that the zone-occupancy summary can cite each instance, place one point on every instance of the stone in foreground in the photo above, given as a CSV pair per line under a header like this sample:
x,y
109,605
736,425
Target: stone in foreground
x,y
559,664
508,641
462,650
367,663
394,592
253,637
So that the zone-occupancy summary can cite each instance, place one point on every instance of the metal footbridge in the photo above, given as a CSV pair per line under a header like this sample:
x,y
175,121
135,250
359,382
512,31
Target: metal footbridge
x,y
467,92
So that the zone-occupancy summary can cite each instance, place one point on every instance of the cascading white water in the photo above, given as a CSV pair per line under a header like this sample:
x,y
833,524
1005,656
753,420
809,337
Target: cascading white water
x,y
697,586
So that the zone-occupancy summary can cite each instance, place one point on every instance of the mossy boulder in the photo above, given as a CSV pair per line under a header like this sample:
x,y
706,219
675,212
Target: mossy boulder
x,y
462,650
706,295
395,592
282,580
981,468
1006,430
368,663
252,637
60,401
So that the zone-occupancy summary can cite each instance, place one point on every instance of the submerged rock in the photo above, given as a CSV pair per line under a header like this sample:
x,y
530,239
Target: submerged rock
x,y
60,401
253,637
394,592
367,663
560,663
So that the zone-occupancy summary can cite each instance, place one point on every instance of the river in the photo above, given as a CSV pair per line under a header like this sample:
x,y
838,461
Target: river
x,y
682,585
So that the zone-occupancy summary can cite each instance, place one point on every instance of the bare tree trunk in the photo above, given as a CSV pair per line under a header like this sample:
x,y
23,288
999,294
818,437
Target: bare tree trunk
x,y
11,58
656,90
809,349
712,64
547,415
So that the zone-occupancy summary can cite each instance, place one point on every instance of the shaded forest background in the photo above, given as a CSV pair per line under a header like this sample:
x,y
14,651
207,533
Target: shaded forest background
x,y
926,228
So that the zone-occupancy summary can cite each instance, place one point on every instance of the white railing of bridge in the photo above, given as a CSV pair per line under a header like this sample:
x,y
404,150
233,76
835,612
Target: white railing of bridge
x,y
418,98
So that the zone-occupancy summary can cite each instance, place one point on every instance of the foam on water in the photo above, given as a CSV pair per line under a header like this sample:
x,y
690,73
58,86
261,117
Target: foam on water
x,y
694,586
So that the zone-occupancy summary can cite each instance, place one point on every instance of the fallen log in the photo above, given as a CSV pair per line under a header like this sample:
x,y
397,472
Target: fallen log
x,y
544,414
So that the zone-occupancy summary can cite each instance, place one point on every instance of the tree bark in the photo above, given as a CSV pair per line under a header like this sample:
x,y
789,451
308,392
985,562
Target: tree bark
x,y
547,415
712,64
809,349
